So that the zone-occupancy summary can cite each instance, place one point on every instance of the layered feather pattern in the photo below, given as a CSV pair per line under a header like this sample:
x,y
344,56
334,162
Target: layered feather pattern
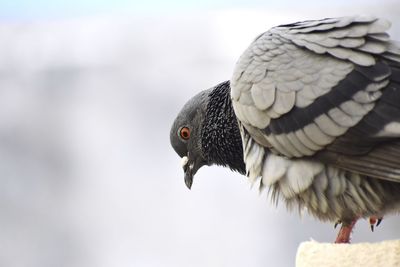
x,y
322,100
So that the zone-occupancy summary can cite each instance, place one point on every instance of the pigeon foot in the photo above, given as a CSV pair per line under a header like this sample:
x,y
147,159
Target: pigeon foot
x,y
344,234
375,221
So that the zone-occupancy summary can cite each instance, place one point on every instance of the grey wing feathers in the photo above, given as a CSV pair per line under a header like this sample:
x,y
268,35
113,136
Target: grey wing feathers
x,y
315,86
381,162
372,147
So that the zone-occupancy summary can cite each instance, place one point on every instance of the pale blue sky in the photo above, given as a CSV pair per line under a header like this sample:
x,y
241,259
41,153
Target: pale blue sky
x,y
28,9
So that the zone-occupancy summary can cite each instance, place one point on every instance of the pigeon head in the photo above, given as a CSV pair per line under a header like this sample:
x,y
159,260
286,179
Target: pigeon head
x,y
206,132
185,135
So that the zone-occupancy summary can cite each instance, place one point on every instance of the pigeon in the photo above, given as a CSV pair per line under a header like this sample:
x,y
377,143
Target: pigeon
x,y
312,113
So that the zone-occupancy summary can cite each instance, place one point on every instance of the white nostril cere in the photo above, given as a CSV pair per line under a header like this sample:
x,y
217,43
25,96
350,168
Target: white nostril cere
x,y
184,161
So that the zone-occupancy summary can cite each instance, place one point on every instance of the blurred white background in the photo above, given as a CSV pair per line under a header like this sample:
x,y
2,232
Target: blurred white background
x,y
88,91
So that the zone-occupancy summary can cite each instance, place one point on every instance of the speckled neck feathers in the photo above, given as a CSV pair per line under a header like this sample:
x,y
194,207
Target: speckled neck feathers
x,y
221,140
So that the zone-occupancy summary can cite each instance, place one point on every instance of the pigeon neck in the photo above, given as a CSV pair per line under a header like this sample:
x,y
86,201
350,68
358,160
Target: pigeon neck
x,y
221,140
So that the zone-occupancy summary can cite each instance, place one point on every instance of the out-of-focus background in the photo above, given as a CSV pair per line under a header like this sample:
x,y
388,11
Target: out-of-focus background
x,y
88,91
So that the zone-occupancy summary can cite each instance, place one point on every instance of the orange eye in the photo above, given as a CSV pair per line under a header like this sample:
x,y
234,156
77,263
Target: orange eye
x,y
184,133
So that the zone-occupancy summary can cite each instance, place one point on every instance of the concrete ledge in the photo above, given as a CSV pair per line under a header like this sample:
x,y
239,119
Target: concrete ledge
x,y
314,254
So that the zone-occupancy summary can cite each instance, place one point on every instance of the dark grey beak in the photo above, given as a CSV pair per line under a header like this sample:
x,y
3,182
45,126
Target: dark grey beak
x,y
188,179
190,168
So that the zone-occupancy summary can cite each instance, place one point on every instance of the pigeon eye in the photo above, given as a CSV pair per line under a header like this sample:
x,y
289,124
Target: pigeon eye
x,y
184,133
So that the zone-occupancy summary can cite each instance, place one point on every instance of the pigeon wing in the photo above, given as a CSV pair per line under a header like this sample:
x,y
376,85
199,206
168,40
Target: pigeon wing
x,y
324,88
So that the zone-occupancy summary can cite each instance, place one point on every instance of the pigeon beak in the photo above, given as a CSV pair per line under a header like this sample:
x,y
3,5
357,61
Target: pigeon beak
x,y
188,180
188,169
